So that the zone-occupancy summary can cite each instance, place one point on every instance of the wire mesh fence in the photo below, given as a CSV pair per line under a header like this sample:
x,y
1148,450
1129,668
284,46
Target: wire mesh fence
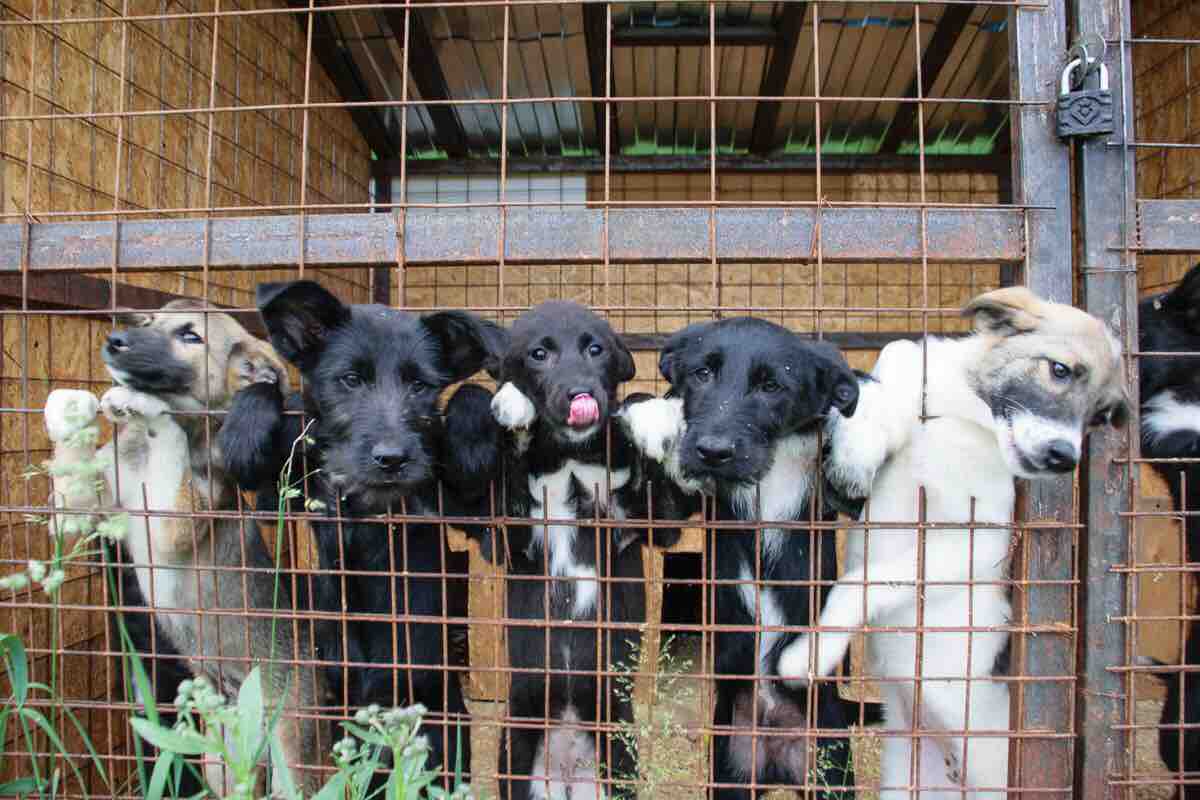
x,y
578,619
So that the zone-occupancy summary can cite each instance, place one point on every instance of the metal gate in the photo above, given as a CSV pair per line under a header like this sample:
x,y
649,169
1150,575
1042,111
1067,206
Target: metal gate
x,y
438,181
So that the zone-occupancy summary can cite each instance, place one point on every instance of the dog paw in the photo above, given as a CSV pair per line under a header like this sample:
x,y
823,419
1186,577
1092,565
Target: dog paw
x,y
120,403
794,666
856,452
69,411
654,426
512,409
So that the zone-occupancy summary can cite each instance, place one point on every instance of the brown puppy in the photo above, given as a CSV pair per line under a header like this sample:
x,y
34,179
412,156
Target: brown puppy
x,y
183,360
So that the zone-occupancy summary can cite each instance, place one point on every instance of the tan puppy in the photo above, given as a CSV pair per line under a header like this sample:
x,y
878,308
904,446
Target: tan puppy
x,y
183,360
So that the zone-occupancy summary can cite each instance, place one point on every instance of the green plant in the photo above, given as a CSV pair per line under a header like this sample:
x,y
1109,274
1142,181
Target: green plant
x,y
657,738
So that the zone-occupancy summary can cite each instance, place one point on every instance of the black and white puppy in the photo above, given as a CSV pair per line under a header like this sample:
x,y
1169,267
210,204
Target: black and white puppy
x,y
563,463
1170,398
741,423
372,381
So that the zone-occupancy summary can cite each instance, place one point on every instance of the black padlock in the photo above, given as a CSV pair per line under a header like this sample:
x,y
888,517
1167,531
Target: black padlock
x,y
1084,112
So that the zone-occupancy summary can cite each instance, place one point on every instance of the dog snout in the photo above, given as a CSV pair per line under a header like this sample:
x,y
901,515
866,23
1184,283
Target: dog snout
x,y
1059,455
575,391
389,457
118,341
714,450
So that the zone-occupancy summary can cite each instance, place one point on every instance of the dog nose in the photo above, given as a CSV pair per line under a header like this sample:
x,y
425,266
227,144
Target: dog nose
x,y
118,341
578,390
714,451
389,458
1060,456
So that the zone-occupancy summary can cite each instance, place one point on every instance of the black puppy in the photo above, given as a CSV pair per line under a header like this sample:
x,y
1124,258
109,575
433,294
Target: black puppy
x,y
372,379
740,423
1170,396
559,388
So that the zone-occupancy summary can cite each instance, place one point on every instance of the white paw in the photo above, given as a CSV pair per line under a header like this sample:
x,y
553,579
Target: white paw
x,y
654,426
69,411
120,403
857,451
512,409
794,666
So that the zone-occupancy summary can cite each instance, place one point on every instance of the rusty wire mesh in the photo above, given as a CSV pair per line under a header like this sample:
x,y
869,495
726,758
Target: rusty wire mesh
x,y
843,169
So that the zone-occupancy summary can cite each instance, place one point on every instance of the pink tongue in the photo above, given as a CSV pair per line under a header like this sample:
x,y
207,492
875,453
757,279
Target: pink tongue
x,y
584,411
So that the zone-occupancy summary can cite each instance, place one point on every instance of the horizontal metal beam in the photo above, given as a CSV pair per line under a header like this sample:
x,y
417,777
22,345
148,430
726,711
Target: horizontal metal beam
x,y
1168,226
846,340
532,235
830,164
694,36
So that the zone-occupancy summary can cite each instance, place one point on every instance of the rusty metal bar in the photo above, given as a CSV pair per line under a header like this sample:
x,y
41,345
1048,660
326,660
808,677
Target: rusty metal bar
x,y
1105,193
1041,174
457,235
1168,226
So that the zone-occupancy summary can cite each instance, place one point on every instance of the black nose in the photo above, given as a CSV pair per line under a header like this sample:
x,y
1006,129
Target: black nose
x,y
118,341
1060,456
714,451
389,458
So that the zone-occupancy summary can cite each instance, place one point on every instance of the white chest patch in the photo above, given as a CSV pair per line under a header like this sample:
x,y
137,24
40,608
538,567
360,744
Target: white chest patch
x,y
1166,414
781,494
552,499
567,768
761,604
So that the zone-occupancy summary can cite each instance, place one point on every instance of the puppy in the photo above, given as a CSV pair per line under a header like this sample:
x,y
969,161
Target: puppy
x,y
1170,396
1014,400
372,380
742,423
183,360
560,377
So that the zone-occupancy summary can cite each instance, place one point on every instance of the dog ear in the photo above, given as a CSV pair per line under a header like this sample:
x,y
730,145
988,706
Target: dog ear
x,y
837,384
1004,312
622,365
670,356
126,318
299,315
254,361
468,342
1185,298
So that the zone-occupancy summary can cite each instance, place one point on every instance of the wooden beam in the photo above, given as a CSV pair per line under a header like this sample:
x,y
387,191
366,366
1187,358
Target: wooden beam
x,y
933,60
694,36
595,35
426,70
775,79
342,71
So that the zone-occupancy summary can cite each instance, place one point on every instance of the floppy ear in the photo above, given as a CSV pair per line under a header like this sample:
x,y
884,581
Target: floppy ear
x,y
468,342
254,361
669,357
623,367
1004,312
299,315
1185,298
133,319
836,382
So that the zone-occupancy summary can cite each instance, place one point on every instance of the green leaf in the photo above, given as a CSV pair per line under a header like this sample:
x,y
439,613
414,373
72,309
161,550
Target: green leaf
x,y
281,776
19,788
87,742
15,660
334,789
185,743
368,736
162,771
145,690
250,718
52,735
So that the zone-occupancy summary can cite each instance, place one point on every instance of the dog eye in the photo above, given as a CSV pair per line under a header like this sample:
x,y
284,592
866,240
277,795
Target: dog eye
x,y
595,350
351,380
190,336
418,387
770,387
538,354
703,374
1059,370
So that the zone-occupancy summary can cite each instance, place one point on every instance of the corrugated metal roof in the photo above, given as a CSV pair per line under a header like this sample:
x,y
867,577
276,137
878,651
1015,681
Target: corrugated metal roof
x,y
865,50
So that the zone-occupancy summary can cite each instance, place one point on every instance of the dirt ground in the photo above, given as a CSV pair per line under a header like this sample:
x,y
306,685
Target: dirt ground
x,y
684,751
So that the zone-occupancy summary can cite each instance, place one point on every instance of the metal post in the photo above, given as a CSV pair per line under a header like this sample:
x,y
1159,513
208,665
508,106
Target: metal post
x,y
1041,176
1106,194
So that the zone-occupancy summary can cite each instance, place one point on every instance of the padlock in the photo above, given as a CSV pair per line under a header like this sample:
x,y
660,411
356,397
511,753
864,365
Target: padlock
x,y
1084,112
